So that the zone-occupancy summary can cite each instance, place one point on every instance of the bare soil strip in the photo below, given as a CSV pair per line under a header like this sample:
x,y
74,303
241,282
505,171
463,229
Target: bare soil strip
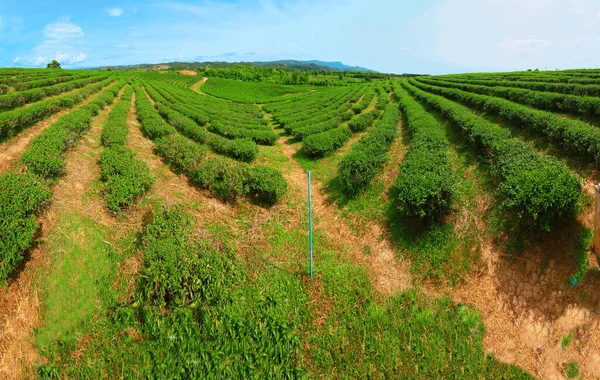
x,y
372,248
11,150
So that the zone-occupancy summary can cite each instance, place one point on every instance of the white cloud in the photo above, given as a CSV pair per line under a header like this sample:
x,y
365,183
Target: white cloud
x,y
62,31
115,12
17,59
0,22
69,57
78,58
523,45
60,56
179,55
40,61
123,46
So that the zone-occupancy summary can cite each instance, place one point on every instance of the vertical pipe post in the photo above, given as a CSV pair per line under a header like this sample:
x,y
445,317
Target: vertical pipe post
x,y
597,220
310,227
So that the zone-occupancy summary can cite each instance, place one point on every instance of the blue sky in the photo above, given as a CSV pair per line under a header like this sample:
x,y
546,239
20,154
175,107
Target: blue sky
x,y
427,36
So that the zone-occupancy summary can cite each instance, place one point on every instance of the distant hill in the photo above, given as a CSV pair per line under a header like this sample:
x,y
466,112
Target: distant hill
x,y
290,64
313,65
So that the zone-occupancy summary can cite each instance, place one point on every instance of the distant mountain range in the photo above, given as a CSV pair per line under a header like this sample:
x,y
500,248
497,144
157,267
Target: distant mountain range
x,y
290,64
313,65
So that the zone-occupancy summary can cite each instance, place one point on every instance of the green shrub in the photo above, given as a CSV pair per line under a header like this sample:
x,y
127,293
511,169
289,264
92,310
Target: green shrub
x,y
363,122
223,177
266,186
359,166
426,183
21,197
536,189
325,143
124,177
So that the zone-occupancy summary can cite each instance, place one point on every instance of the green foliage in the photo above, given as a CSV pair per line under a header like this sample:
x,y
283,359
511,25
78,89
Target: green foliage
x,y
199,314
359,166
566,341
248,92
325,143
12,122
44,156
224,177
426,181
572,370
116,129
20,98
53,65
21,197
363,122
266,186
262,137
579,137
124,178
537,190
549,101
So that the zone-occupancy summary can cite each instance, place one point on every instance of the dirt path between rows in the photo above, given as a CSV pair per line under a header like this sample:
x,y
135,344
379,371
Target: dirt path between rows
x,y
10,150
196,86
20,303
372,248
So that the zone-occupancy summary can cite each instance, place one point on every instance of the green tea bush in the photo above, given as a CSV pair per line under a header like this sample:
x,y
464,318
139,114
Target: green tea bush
x,y
426,182
536,189
367,156
261,137
325,143
21,197
579,137
266,186
12,122
363,122
20,98
124,178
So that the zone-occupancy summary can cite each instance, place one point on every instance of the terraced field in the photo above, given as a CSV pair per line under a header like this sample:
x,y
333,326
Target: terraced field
x,y
155,225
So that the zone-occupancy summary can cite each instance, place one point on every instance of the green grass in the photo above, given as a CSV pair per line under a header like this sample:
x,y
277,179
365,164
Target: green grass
x,y
335,325
566,341
572,370
84,262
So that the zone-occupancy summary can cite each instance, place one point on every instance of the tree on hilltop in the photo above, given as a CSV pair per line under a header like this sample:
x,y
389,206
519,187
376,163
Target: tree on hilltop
x,y
53,65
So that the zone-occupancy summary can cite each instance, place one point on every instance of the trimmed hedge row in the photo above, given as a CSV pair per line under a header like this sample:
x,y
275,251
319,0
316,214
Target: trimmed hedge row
x,y
359,166
325,143
550,101
563,88
115,128
224,177
538,190
124,178
22,196
17,99
240,149
12,122
577,136
426,182
44,156
302,133
362,122
23,86
261,137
